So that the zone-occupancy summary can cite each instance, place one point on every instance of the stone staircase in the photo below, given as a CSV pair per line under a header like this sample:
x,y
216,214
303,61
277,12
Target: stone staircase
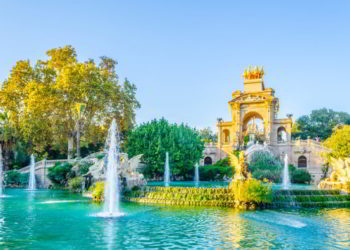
x,y
309,198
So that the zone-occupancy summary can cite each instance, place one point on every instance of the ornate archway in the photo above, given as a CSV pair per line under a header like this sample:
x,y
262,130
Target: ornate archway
x,y
208,161
253,126
281,135
302,162
226,134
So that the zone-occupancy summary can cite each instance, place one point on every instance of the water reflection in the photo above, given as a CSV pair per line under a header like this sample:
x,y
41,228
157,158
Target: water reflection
x,y
110,233
339,225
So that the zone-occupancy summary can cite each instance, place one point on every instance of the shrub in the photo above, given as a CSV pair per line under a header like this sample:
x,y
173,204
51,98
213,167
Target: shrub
x,y
24,179
213,172
84,168
100,156
75,184
13,177
98,191
300,176
60,173
135,188
251,192
265,165
217,171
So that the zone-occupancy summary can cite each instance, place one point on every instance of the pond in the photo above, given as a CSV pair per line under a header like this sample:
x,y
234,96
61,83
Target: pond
x,y
224,184
190,183
60,220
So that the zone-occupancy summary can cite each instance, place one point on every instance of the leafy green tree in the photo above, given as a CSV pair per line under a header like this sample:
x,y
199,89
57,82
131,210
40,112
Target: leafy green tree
x,y
207,135
155,138
319,123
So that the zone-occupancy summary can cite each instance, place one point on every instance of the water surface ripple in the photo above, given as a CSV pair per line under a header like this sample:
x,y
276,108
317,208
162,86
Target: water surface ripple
x,y
28,220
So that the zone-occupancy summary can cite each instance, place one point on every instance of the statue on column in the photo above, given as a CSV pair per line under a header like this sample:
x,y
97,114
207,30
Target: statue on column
x,y
241,168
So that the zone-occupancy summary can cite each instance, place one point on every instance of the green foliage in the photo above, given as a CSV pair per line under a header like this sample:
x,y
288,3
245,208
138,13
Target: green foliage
x,y
246,139
319,123
15,178
339,143
12,177
24,179
207,135
135,188
100,156
299,176
214,172
251,192
75,184
264,165
60,173
84,167
155,138
217,171
21,158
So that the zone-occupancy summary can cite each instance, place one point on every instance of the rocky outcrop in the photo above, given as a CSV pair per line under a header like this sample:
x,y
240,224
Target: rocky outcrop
x,y
340,176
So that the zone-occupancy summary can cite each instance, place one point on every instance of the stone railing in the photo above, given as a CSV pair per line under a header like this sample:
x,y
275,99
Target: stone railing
x,y
41,171
41,164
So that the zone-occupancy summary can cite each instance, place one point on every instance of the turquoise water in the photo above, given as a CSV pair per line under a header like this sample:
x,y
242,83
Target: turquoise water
x,y
190,183
46,220
224,184
295,187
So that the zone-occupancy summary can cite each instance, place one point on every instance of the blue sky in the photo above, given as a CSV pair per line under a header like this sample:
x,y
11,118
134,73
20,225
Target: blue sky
x,y
186,57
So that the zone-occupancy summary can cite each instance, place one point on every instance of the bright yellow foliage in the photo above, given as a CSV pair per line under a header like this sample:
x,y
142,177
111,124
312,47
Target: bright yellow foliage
x,y
47,103
339,143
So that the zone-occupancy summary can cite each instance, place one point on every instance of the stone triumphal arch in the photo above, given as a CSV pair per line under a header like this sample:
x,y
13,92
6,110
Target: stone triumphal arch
x,y
254,115
254,126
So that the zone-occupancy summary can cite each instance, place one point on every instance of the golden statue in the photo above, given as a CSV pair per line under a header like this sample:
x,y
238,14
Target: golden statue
x,y
253,73
240,166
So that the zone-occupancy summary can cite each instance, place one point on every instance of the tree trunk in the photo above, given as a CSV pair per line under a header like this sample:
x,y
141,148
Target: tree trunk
x,y
6,153
78,139
70,146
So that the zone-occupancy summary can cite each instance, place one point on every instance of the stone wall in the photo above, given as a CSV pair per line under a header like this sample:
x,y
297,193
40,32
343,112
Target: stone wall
x,y
310,149
213,152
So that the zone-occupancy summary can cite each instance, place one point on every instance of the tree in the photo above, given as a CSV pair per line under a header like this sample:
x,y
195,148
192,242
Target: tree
x,y
207,135
339,142
319,123
7,139
155,138
61,98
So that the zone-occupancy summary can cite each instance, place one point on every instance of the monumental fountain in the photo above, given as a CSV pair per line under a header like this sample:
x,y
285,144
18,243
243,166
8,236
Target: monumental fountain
x,y
166,170
286,180
196,174
32,181
112,187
